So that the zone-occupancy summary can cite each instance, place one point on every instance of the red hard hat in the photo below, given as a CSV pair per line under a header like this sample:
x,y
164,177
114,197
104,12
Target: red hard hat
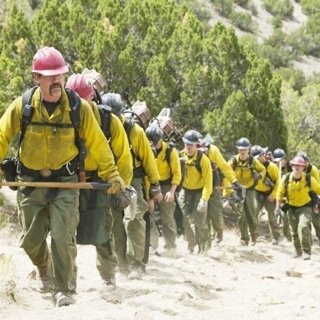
x,y
298,161
80,84
48,61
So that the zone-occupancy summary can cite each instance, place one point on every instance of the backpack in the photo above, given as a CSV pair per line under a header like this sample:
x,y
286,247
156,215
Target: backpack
x,y
75,102
250,166
105,116
312,194
183,164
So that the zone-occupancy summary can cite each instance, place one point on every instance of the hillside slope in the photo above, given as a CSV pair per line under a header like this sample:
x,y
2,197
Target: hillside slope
x,y
264,28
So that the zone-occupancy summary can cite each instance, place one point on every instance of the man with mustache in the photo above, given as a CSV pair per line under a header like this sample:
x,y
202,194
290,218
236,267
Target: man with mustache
x,y
48,152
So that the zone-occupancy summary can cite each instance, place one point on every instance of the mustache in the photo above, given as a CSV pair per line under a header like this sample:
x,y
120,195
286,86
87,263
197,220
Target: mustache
x,y
55,85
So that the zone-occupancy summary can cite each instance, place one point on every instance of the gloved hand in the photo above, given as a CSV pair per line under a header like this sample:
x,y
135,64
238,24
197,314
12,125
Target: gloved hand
x,y
202,206
121,200
277,212
237,187
117,185
256,176
268,182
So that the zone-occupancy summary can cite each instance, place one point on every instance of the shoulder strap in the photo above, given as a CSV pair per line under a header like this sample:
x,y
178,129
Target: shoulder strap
x,y
234,162
168,154
286,182
27,111
105,116
309,168
250,161
74,101
198,160
308,180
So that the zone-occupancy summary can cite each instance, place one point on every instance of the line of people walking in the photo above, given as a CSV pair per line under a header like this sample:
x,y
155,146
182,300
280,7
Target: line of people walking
x,y
75,132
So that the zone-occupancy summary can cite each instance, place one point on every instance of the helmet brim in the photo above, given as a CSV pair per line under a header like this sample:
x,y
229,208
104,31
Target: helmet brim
x,y
189,141
243,148
54,72
277,159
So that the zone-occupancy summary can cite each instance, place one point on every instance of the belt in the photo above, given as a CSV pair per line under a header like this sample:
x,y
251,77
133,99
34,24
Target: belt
x,y
138,172
69,169
166,182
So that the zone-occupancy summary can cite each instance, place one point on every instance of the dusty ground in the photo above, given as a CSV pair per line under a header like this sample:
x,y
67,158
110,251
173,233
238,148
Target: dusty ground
x,y
231,282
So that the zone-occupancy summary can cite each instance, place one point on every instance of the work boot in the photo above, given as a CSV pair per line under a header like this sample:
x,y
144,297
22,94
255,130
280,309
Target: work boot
x,y
63,299
297,254
244,242
253,239
306,256
109,285
219,236
275,242
43,281
135,272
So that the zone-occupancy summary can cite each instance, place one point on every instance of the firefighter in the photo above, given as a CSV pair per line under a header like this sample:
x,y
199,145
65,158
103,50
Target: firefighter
x,y
168,164
248,171
279,158
49,151
195,193
130,230
92,201
295,189
220,169
266,190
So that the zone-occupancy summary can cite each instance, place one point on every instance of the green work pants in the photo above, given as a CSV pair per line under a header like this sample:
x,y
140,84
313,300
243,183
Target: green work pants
x,y
60,216
120,240
316,223
215,216
262,202
169,227
248,217
194,223
106,257
300,221
135,226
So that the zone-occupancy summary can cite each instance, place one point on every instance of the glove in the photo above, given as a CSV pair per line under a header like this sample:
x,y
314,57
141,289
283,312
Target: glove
x,y
268,182
117,185
256,176
237,187
277,212
122,199
202,206
155,190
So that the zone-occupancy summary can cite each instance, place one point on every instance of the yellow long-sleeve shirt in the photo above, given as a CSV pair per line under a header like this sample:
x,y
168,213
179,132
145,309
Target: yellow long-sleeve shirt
x,y
119,145
297,191
243,171
216,157
195,180
169,170
143,153
272,172
50,147
314,172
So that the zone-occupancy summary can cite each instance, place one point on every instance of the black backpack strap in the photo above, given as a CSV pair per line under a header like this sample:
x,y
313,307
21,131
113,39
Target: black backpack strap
x,y
105,116
27,111
75,102
128,124
198,160
286,182
234,162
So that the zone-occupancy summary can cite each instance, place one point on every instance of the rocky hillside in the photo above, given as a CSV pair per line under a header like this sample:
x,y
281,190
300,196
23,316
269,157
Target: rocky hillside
x,y
263,27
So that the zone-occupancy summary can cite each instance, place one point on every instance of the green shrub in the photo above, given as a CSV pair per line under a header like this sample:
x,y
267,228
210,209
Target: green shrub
x,y
242,20
281,8
296,78
225,7
242,3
